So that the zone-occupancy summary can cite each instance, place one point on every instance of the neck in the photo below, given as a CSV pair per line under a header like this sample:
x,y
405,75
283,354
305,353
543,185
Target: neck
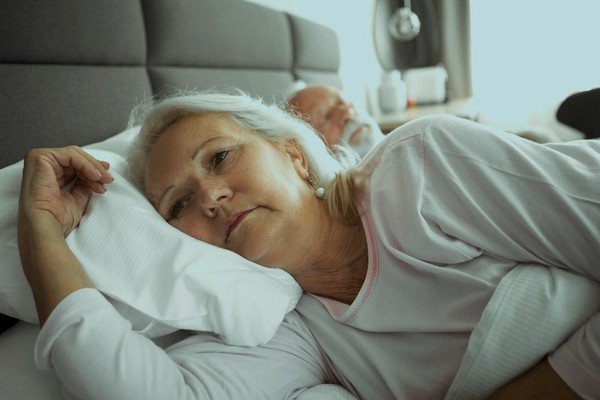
x,y
338,262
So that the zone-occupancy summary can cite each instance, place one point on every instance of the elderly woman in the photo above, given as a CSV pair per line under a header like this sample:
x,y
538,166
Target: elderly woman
x,y
398,254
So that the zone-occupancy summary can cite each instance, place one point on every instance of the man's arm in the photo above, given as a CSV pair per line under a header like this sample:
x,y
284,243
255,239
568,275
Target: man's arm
x,y
540,382
577,360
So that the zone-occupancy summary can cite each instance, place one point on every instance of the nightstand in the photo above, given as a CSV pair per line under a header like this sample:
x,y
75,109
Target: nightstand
x,y
464,108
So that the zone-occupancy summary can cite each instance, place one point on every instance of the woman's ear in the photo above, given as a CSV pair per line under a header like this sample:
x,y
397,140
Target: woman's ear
x,y
296,155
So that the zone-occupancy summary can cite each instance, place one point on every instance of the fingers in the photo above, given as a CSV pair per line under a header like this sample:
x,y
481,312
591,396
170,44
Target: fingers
x,y
98,170
96,186
81,194
85,166
68,175
69,163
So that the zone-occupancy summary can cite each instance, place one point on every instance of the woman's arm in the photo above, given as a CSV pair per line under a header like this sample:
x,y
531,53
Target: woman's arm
x,y
48,211
95,355
51,268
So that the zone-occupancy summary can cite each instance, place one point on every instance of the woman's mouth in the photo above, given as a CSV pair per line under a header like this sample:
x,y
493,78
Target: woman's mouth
x,y
238,220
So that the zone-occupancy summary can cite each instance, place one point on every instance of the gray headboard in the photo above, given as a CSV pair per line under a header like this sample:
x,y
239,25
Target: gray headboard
x,y
71,70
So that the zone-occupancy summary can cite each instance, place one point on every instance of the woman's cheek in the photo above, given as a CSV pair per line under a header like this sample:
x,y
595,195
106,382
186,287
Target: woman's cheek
x,y
190,228
182,226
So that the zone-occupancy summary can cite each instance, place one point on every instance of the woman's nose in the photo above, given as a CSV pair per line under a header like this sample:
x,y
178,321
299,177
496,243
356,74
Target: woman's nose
x,y
212,198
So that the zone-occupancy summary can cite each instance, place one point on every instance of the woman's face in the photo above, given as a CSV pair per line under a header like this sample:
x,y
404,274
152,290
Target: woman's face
x,y
205,170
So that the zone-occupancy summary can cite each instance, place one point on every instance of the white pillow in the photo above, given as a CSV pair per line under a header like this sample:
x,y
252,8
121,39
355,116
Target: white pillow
x,y
156,276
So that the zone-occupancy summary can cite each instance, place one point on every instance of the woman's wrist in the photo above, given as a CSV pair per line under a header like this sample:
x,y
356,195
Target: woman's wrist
x,y
52,270
36,230
39,222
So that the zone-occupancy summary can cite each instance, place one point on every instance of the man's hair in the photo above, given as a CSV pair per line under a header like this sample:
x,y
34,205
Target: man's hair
x,y
332,170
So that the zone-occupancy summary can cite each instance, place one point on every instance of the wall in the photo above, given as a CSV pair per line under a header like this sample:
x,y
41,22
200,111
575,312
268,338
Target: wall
x,y
353,22
529,55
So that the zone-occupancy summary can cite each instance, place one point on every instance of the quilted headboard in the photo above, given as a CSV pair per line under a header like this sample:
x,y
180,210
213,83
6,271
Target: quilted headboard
x,y
71,70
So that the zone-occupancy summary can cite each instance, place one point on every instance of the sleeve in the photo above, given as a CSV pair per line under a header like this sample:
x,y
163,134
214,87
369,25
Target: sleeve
x,y
577,361
514,198
96,355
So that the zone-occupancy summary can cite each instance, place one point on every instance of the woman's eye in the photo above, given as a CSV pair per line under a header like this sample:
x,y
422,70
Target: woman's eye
x,y
176,209
219,157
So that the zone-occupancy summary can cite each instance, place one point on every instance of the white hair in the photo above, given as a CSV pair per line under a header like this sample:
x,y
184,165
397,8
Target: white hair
x,y
268,121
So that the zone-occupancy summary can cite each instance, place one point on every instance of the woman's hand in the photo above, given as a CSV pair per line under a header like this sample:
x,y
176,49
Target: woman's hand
x,y
49,209
47,173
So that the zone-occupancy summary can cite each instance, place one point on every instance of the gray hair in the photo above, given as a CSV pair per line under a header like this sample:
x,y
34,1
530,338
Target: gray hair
x,y
328,169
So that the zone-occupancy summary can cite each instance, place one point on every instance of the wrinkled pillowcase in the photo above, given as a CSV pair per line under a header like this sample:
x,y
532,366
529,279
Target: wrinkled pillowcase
x,y
156,276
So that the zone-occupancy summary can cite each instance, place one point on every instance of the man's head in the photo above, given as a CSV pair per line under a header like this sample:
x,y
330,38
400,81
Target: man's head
x,y
324,109
336,119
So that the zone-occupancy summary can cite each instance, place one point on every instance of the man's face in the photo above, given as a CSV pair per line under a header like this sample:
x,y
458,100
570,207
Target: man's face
x,y
325,110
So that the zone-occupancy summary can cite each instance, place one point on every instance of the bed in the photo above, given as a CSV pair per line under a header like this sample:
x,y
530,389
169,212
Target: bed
x,y
72,71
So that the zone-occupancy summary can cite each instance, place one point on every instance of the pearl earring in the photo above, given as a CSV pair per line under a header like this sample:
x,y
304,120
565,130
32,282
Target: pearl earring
x,y
320,192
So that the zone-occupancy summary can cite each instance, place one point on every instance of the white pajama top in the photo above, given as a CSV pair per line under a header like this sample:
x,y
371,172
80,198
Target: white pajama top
x,y
449,208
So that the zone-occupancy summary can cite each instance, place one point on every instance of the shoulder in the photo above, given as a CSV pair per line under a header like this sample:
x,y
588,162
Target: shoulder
x,y
401,148
399,180
448,137
436,126
408,153
414,129
413,134
444,127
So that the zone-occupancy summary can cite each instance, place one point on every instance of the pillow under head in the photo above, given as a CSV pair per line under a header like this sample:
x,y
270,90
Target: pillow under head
x,y
155,275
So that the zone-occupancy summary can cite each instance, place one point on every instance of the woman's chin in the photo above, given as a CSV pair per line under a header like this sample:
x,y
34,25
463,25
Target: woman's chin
x,y
252,249
264,253
252,238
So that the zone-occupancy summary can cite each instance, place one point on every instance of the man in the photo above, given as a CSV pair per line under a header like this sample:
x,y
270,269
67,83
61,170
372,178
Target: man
x,y
335,119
